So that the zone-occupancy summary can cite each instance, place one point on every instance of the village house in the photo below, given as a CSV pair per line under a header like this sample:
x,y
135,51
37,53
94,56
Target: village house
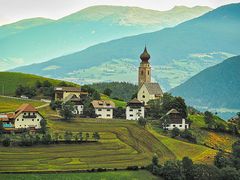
x,y
63,92
174,120
103,108
147,90
26,116
134,109
77,102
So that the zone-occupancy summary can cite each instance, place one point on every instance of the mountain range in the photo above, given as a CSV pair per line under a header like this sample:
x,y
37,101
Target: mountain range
x,y
36,40
217,87
177,53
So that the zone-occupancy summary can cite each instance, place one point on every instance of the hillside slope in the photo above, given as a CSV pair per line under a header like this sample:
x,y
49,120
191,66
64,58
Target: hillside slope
x,y
10,80
177,53
215,87
85,28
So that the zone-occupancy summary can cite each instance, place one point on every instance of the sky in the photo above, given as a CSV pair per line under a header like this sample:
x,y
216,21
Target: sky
x,y
14,10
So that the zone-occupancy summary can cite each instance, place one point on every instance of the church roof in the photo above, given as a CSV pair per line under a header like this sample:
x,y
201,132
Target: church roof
x,y
145,56
153,88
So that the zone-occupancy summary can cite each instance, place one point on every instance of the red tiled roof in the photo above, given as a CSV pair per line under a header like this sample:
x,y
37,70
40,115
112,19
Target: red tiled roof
x,y
25,108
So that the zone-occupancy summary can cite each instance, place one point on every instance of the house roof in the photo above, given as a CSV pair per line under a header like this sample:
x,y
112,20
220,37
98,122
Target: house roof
x,y
68,89
135,101
153,88
105,104
71,97
3,117
172,111
25,108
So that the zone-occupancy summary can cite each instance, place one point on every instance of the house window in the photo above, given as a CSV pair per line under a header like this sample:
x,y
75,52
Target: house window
x,y
139,110
148,72
180,125
99,109
186,126
174,125
131,115
143,96
108,109
17,119
32,119
108,115
37,119
22,119
141,72
130,109
24,113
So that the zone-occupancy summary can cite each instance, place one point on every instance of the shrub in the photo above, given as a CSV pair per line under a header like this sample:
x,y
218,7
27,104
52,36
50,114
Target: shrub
x,y
175,132
6,142
229,173
132,168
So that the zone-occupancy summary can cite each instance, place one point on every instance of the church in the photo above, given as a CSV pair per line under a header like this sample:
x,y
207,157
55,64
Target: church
x,y
147,90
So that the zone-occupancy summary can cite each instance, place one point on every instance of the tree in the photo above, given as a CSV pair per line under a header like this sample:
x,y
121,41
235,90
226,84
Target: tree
x,y
56,137
208,118
87,136
43,124
6,142
154,111
96,95
38,84
204,171
62,84
221,160
80,134
175,132
229,173
46,139
56,105
172,170
142,121
119,112
96,136
67,110
107,91
68,136
189,136
46,83
236,149
232,128
1,127
187,165
155,160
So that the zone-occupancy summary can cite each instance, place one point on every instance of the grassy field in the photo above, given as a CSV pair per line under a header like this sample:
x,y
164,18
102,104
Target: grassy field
x,y
122,144
10,80
217,140
115,175
117,102
10,104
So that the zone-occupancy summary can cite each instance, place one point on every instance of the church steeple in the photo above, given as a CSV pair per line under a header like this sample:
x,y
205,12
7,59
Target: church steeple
x,y
144,74
145,56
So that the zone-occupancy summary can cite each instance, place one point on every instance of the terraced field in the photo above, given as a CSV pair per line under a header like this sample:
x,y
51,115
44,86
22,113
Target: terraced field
x,y
122,144
11,104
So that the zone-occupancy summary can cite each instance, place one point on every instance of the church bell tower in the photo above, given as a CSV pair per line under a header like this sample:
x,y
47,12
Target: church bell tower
x,y
144,72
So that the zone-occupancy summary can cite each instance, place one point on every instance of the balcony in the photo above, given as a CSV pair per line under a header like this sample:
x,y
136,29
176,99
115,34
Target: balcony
x,y
29,116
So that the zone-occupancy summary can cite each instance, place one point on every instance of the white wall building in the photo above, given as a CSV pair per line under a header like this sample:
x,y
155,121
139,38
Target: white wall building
x,y
103,108
149,91
78,105
174,120
134,110
27,116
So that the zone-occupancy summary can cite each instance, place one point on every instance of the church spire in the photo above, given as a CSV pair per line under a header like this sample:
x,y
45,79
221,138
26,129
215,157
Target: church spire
x,y
145,56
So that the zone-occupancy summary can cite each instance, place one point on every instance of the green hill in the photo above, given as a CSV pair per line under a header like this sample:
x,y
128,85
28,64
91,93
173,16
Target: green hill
x,y
10,80
177,53
215,87
85,28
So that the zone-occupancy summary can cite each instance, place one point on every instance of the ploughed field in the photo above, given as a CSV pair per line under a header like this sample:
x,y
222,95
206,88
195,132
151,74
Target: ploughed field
x,y
122,144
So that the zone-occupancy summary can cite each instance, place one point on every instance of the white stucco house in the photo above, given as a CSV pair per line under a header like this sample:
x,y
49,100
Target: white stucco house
x,y
27,116
134,109
149,91
174,120
103,108
78,104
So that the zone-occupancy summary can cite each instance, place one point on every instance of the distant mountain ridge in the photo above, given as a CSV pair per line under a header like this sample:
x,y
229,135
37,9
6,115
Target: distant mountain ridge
x,y
85,28
176,53
214,87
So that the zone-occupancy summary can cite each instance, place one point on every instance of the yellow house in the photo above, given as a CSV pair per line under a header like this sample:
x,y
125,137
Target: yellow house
x,y
63,92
